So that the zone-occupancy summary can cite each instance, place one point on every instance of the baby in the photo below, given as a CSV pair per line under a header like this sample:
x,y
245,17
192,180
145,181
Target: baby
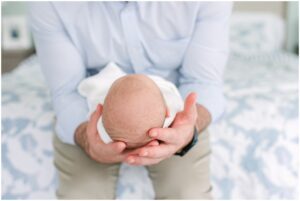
x,y
132,104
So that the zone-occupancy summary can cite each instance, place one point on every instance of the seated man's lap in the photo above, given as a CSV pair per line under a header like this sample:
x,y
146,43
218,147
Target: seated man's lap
x,y
184,177
175,178
80,177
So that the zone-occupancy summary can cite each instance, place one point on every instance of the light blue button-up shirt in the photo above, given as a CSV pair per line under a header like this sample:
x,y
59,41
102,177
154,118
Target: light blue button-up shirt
x,y
184,42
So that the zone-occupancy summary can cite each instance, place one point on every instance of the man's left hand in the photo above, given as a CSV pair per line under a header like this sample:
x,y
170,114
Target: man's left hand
x,y
171,140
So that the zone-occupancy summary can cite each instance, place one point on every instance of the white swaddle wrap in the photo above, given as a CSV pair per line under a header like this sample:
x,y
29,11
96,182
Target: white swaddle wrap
x,y
95,89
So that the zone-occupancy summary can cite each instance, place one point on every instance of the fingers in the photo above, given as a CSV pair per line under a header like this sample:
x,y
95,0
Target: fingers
x,y
136,160
161,151
190,103
92,131
117,147
95,117
153,143
137,151
164,134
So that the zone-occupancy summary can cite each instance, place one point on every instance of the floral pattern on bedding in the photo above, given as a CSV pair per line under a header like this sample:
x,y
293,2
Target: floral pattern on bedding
x,y
254,146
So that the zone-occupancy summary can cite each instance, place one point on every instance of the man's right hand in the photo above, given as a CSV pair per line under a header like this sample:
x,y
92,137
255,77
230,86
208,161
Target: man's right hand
x,y
87,137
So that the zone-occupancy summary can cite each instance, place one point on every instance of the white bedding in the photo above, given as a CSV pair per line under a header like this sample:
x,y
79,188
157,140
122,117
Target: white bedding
x,y
254,146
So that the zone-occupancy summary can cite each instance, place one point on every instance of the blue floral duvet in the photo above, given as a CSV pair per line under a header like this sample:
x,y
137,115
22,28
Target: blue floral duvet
x,y
254,146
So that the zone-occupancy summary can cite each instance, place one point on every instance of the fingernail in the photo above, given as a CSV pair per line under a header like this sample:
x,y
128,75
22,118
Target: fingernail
x,y
144,153
153,134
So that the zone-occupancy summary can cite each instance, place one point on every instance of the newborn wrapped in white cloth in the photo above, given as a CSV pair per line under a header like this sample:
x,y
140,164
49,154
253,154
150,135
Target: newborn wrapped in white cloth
x,y
96,88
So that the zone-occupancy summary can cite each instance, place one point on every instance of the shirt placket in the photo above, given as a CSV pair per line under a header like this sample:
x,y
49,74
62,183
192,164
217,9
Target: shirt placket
x,y
132,39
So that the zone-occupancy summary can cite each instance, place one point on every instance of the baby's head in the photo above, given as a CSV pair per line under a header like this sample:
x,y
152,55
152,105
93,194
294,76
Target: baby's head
x,y
133,105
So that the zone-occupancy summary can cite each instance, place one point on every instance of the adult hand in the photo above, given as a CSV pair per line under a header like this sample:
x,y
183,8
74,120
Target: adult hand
x,y
172,139
87,137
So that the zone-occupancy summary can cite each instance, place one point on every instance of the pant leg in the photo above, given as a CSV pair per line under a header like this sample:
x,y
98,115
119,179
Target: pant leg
x,y
80,177
184,177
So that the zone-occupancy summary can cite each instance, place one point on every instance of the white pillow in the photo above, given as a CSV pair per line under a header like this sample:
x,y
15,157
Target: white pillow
x,y
255,33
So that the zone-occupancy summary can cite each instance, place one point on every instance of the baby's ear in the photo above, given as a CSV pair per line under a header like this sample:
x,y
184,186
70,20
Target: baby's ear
x,y
167,112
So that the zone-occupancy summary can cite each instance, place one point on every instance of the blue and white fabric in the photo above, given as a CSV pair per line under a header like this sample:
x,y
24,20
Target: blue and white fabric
x,y
256,33
254,147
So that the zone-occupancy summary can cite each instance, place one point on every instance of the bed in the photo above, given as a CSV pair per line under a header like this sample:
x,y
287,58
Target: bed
x,y
254,146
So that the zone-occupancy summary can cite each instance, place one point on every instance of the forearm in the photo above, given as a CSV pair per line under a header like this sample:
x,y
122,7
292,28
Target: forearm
x,y
62,66
204,118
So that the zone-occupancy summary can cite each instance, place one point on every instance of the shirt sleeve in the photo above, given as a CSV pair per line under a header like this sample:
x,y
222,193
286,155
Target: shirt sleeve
x,y
62,66
206,57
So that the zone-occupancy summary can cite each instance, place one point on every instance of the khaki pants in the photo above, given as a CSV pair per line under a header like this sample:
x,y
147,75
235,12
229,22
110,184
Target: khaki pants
x,y
174,178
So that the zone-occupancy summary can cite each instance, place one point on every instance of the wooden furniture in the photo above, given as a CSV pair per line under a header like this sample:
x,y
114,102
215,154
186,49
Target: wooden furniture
x,y
11,58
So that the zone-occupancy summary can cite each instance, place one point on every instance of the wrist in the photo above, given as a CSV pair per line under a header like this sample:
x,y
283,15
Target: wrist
x,y
189,145
204,118
188,140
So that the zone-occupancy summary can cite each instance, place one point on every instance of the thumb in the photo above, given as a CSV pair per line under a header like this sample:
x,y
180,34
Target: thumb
x,y
95,117
190,104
